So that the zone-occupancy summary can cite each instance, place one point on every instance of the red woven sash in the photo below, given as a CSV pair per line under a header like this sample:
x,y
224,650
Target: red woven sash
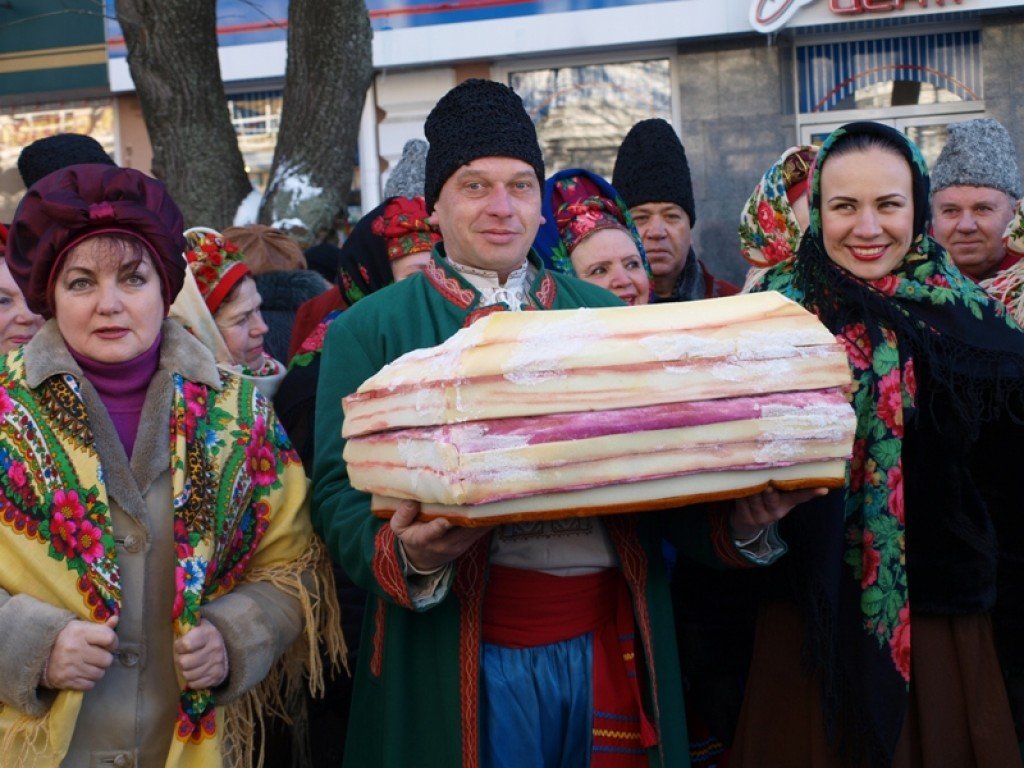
x,y
524,609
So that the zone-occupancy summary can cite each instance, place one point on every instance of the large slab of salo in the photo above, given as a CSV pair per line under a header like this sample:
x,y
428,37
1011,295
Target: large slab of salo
x,y
535,415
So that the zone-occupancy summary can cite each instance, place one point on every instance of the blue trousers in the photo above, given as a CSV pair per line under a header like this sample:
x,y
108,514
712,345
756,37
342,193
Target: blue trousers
x,y
537,705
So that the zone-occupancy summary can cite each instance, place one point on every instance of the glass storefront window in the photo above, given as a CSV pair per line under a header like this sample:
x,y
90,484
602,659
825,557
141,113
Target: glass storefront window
x,y
896,71
930,139
256,117
582,113
21,126
917,84
898,93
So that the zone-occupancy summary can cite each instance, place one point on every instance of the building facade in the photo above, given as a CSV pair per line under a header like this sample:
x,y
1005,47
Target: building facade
x,y
53,79
741,80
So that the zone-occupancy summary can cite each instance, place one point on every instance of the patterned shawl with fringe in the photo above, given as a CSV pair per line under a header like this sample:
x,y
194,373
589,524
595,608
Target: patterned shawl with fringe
x,y
922,334
1007,285
240,515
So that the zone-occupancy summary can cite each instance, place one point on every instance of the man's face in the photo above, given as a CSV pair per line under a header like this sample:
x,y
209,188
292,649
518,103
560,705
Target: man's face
x,y
488,212
665,230
969,223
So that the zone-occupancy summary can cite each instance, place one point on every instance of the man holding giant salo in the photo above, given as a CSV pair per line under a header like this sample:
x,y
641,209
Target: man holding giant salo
x,y
541,644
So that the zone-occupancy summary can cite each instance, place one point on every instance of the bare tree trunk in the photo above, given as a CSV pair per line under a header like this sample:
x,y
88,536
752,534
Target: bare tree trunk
x,y
172,57
329,69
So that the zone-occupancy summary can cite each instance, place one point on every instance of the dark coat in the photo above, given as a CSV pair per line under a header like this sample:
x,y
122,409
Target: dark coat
x,y
283,293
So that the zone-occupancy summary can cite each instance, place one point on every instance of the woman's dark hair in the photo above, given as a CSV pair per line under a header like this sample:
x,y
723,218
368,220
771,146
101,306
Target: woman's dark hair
x,y
852,142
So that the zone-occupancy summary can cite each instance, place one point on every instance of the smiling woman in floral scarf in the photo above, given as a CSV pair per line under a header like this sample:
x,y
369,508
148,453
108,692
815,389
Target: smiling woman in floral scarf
x,y
589,233
887,657
161,584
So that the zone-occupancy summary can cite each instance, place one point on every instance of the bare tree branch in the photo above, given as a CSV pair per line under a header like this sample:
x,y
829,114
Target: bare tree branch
x,y
261,12
172,57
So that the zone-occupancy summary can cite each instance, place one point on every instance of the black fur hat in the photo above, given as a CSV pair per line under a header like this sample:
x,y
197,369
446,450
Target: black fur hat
x,y
44,156
477,118
651,167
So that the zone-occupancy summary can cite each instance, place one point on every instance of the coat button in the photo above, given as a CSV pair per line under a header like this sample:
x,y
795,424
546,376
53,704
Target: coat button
x,y
123,760
133,543
129,658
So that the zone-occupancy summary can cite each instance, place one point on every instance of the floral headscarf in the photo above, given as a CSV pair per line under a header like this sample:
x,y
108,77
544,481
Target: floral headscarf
x,y
769,231
214,268
1007,286
403,225
923,316
578,219
216,263
577,203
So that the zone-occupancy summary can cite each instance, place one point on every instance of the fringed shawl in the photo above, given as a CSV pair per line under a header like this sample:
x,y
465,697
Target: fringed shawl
x,y
240,515
920,336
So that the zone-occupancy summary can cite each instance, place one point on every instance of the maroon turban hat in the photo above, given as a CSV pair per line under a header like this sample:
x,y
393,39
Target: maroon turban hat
x,y
72,204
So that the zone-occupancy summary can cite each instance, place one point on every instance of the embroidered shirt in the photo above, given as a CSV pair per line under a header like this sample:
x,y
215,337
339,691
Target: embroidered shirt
x,y
492,291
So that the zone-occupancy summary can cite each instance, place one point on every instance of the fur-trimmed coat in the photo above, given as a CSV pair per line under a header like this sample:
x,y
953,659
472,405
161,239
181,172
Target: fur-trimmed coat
x,y
133,709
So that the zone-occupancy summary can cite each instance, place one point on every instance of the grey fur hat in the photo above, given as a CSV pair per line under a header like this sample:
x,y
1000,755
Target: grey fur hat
x,y
407,177
978,153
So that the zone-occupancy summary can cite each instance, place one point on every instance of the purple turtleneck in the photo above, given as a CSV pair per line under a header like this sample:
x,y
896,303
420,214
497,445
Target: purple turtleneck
x,y
122,387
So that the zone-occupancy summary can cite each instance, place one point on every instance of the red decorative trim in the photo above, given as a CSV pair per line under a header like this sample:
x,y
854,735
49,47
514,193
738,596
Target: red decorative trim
x,y
387,569
548,291
448,286
476,314
231,277
469,586
635,568
380,617
722,541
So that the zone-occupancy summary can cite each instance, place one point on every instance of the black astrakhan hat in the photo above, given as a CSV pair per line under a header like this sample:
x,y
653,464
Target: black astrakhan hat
x,y
651,167
477,118
44,156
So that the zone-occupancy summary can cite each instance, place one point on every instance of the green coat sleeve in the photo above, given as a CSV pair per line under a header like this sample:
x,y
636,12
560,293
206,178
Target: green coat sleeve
x,y
359,542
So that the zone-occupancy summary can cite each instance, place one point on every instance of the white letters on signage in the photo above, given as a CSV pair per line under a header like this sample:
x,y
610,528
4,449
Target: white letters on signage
x,y
860,6
769,15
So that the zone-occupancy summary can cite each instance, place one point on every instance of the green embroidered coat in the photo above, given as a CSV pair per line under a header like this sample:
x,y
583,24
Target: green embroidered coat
x,y
416,688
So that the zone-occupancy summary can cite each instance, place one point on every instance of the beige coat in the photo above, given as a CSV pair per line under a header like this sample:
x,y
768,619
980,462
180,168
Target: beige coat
x,y
127,719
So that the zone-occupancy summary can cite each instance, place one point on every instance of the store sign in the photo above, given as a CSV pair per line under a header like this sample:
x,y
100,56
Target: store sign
x,y
769,15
